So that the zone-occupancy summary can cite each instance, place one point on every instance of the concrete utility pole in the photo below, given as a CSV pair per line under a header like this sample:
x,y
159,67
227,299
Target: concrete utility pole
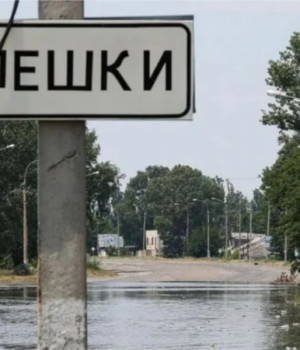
x,y
62,219
118,225
144,234
250,230
226,228
187,230
240,230
285,242
25,228
268,221
208,231
226,208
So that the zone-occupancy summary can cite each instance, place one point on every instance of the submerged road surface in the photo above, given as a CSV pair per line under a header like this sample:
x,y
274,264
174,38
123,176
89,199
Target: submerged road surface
x,y
167,316
168,270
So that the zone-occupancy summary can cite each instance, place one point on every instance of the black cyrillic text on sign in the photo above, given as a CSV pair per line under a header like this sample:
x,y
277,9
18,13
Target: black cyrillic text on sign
x,y
110,67
113,69
149,80
2,69
19,70
70,73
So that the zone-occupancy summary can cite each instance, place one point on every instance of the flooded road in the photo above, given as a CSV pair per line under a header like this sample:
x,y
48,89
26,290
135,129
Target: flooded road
x,y
167,316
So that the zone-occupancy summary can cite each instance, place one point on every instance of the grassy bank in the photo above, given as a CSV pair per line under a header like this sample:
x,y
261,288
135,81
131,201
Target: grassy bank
x,y
94,270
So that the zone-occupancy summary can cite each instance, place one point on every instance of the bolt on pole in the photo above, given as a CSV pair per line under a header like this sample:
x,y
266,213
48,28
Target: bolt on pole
x,y
62,308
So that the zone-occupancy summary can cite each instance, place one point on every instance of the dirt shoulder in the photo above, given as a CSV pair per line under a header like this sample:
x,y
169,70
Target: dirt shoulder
x,y
12,279
201,270
175,270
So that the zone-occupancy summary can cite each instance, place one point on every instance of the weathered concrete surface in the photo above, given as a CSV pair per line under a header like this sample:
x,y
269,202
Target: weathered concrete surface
x,y
62,236
156,270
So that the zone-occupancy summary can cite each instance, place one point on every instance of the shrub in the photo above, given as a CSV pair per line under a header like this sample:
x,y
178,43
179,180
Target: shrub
x,y
93,264
235,254
22,270
295,268
34,263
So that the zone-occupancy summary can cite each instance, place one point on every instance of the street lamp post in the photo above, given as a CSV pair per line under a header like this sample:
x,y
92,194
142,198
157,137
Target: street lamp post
x,y
268,220
226,224
187,227
144,233
208,224
240,228
25,232
25,227
118,226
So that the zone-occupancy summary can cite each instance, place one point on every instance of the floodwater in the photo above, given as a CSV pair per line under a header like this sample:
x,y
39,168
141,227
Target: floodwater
x,y
167,316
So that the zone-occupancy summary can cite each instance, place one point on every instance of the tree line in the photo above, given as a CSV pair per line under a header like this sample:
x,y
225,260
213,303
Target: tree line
x,y
173,201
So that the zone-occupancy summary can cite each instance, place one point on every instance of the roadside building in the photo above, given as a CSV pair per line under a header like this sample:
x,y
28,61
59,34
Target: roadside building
x,y
154,244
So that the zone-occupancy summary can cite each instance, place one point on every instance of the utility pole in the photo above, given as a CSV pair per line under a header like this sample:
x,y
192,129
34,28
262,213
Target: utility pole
x,y
240,230
250,230
226,228
62,286
187,230
208,232
268,221
118,224
144,233
25,227
285,247
285,242
226,219
25,233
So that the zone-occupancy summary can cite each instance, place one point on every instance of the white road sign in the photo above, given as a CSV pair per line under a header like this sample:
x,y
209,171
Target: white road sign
x,y
94,69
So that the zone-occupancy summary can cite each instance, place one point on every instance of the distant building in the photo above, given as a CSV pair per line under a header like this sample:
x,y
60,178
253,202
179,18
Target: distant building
x,y
154,244
252,244
108,240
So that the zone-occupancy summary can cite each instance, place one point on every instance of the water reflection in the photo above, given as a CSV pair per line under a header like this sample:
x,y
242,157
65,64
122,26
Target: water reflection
x,y
167,316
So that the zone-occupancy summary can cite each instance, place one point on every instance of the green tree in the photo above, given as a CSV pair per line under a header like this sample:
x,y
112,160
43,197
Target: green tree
x,y
284,75
176,202
281,183
134,203
13,163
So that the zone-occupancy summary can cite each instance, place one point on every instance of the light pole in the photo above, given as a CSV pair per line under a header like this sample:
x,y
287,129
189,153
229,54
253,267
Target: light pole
x,y
268,220
226,224
118,225
285,242
240,227
144,233
250,227
187,227
25,228
25,233
208,224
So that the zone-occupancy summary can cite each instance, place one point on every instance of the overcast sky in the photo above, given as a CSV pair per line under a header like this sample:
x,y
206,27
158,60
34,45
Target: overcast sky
x,y
234,42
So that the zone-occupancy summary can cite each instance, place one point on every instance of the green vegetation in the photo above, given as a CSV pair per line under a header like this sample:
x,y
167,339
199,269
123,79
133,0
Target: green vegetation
x,y
281,182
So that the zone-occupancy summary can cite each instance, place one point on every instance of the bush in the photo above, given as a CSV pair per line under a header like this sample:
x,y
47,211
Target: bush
x,y
235,255
93,264
22,270
295,268
112,251
125,252
34,263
